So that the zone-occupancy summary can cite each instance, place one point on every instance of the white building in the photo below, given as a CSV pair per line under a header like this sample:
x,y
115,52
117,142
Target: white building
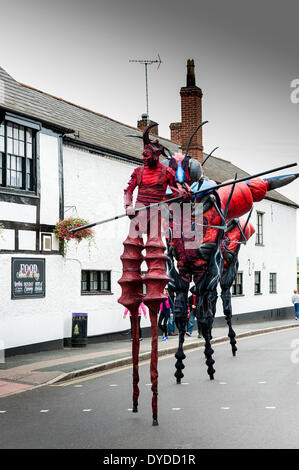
x,y
59,160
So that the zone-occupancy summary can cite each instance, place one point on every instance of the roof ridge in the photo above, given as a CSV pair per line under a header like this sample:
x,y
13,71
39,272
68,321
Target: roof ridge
x,y
87,109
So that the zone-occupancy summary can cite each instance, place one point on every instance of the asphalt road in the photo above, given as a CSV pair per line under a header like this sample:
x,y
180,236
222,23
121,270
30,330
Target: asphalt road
x,y
252,403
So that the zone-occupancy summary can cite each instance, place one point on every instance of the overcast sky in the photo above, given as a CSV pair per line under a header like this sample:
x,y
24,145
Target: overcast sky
x,y
245,53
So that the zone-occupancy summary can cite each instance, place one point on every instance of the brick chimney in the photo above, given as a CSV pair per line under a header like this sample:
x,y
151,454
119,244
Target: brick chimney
x,y
142,124
191,115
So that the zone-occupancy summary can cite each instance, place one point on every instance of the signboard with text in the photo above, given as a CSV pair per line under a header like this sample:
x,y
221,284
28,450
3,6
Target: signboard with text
x,y
28,278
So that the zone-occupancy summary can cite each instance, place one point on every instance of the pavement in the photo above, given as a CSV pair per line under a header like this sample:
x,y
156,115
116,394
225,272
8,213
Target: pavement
x,y
24,372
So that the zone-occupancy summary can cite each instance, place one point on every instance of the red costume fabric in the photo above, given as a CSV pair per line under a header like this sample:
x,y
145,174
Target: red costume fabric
x,y
152,183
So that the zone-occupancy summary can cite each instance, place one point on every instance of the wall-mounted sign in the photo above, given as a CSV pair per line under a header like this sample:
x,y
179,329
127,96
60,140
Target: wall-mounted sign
x,y
28,278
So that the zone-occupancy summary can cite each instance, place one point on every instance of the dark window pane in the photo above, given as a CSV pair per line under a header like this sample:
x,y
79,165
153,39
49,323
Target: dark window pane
x,y
28,181
29,135
259,233
9,129
21,133
21,149
273,282
105,280
16,132
19,163
13,162
16,147
19,180
13,178
29,150
257,280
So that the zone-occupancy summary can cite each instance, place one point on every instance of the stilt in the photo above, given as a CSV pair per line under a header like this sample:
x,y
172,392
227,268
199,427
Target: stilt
x,y
227,310
155,281
180,355
206,322
131,283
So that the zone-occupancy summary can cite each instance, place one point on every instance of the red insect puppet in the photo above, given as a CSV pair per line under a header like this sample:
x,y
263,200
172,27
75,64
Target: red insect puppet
x,y
152,180
204,261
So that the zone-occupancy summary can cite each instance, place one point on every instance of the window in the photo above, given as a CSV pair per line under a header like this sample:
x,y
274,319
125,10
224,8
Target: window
x,y
273,283
95,282
259,232
237,287
257,282
17,148
46,242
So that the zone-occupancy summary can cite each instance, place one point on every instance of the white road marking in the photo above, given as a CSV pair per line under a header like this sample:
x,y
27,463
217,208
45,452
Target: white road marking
x,y
270,407
185,383
130,409
78,386
113,385
225,407
44,411
176,409
2,411
87,409
262,382
222,383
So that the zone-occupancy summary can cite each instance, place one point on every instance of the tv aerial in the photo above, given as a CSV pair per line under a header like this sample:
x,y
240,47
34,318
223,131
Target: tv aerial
x,y
146,63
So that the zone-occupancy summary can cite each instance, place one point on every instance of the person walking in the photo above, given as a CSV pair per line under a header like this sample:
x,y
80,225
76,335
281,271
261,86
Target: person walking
x,y
165,310
171,322
192,314
295,301
142,309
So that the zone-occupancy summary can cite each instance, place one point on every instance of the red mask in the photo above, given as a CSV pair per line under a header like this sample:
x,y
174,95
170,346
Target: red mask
x,y
150,157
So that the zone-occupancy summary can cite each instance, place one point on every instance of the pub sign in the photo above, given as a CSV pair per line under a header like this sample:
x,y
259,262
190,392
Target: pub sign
x,y
28,278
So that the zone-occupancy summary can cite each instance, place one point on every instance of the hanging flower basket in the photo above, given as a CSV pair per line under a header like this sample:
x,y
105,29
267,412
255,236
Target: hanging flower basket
x,y
63,227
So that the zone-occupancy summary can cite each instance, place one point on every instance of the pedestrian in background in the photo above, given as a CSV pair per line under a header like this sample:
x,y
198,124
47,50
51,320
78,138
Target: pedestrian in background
x,y
165,310
142,309
295,300
171,322
192,314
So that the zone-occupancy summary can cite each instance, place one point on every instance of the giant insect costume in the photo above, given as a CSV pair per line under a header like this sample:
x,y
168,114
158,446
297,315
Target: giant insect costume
x,y
219,203
204,262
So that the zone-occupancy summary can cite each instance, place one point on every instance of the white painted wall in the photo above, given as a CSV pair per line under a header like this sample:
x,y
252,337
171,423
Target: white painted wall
x,y
13,212
49,179
7,239
27,240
